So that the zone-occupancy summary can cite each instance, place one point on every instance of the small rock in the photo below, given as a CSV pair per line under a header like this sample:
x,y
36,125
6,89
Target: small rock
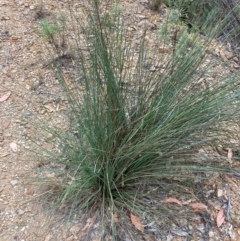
x,y
22,229
20,212
211,234
219,192
152,68
32,7
28,87
14,147
14,182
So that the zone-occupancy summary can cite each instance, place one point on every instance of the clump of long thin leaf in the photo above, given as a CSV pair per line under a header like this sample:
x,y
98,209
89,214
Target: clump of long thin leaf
x,y
140,120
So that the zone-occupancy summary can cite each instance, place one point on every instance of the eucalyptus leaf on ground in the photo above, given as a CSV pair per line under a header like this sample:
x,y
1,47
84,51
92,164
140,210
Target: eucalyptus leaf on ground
x,y
220,217
5,96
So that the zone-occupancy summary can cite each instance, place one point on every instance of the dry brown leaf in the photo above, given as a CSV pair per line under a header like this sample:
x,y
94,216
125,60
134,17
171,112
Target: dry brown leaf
x,y
198,207
230,153
220,218
5,96
90,223
136,221
173,200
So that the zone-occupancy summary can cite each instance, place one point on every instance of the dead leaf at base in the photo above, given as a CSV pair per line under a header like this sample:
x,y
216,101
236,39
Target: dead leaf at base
x,y
136,221
198,207
173,200
220,217
5,96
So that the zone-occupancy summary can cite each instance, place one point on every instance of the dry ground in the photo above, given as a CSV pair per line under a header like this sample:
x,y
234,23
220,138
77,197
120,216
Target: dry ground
x,y
33,88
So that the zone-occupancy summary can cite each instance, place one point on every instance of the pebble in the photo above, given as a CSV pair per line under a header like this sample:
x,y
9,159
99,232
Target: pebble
x,y
14,146
211,234
152,68
14,182
20,212
22,229
32,7
219,192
